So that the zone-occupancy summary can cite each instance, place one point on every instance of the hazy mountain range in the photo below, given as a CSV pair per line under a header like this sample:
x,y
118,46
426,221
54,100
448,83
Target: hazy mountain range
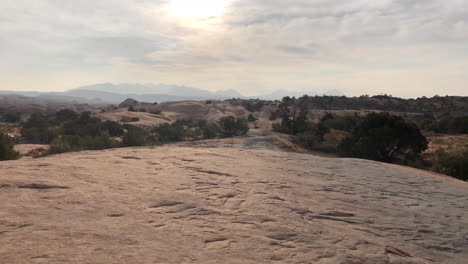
x,y
108,93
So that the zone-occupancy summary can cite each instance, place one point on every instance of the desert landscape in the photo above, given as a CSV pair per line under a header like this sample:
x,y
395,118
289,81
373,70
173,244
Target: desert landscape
x,y
239,200
234,131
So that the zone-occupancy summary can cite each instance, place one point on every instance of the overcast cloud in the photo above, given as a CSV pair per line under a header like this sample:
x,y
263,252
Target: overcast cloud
x,y
406,48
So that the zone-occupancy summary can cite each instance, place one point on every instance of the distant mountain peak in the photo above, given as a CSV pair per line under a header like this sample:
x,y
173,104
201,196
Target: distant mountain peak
x,y
160,89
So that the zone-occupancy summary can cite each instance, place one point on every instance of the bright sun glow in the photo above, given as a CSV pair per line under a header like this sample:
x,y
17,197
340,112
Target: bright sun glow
x,y
197,8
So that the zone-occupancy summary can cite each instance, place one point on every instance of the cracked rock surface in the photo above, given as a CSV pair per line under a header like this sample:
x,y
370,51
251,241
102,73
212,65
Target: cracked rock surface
x,y
208,204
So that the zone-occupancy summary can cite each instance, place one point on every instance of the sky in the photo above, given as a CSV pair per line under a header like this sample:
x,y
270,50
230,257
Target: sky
x,y
405,48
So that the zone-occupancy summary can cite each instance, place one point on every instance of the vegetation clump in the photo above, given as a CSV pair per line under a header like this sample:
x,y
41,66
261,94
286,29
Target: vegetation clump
x,y
7,151
376,136
253,105
176,131
195,130
135,136
383,137
11,117
251,118
453,164
67,131
230,126
447,124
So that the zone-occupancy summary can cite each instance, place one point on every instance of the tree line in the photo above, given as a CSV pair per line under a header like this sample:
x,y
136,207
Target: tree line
x,y
66,131
376,136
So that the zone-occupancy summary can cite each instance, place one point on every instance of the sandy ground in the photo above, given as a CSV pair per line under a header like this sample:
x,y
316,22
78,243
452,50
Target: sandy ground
x,y
145,119
171,111
227,201
27,149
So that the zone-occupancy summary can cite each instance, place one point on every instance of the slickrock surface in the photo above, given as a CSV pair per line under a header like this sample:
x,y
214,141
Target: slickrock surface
x,y
237,204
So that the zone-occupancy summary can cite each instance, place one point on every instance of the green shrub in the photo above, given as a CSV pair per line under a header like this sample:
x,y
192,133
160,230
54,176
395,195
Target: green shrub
x,y
230,126
308,140
334,136
328,116
113,128
251,118
311,141
135,136
68,131
170,132
61,145
326,147
126,119
39,129
254,105
273,116
459,125
66,115
346,123
320,130
455,165
11,117
447,124
383,137
7,151
70,143
211,130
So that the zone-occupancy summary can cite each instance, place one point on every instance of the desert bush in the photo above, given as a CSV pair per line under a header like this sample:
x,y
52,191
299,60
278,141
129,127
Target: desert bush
x,y
253,105
170,132
113,128
448,124
307,140
385,138
11,117
39,129
60,145
459,125
66,115
346,123
328,116
127,119
251,118
67,131
135,136
100,142
293,113
229,126
334,136
326,147
320,130
7,151
273,116
211,130
86,125
69,143
452,164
